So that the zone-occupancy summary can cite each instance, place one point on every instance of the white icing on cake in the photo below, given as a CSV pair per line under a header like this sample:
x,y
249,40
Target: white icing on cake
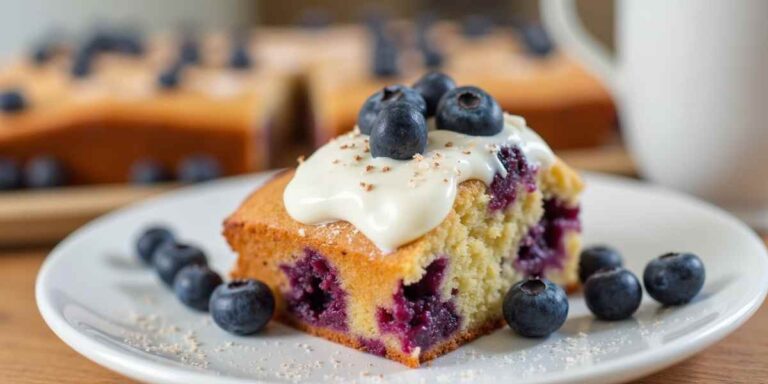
x,y
393,202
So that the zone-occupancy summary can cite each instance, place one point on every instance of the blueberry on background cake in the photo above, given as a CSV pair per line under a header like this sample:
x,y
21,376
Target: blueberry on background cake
x,y
12,100
44,172
409,259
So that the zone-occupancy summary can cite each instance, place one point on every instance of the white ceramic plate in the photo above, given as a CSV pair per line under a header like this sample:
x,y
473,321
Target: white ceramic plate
x,y
98,299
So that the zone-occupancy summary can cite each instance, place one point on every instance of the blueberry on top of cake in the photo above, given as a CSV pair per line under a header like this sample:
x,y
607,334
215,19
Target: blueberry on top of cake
x,y
402,242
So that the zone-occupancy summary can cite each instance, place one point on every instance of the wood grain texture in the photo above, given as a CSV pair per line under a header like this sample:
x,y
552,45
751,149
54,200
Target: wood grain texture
x,y
31,354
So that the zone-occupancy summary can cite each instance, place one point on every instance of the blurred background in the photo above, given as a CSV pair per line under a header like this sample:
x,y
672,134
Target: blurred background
x,y
103,103
26,20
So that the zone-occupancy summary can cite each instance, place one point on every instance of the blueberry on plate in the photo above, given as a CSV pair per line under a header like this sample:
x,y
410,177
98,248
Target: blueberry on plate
x,y
432,87
194,285
613,294
242,307
388,95
198,168
10,174
399,132
597,257
12,100
170,257
674,278
471,111
535,307
44,172
148,172
150,239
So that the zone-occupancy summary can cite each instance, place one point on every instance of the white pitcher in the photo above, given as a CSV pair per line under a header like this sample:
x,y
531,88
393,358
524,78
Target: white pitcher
x,y
691,81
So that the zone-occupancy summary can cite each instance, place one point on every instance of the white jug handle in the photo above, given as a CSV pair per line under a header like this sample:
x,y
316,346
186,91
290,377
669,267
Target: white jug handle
x,y
562,21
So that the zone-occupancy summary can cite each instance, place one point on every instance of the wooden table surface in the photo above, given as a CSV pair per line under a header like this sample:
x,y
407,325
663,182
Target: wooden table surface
x,y
31,353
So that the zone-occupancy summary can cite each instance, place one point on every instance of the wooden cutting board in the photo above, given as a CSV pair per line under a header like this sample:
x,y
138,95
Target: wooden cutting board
x,y
44,217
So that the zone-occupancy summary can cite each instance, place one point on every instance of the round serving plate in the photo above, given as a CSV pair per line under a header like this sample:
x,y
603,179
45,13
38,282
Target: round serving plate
x,y
99,299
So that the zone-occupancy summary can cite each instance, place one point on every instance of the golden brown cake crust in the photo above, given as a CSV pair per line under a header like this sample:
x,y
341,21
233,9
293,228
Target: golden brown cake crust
x,y
268,240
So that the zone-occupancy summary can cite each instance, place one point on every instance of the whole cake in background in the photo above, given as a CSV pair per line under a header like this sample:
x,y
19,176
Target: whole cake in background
x,y
401,237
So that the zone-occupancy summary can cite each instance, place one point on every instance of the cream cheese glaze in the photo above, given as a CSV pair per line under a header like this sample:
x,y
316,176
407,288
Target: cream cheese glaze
x,y
393,202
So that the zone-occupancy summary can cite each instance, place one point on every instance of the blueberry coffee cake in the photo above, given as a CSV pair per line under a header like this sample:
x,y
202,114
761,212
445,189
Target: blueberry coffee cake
x,y
401,237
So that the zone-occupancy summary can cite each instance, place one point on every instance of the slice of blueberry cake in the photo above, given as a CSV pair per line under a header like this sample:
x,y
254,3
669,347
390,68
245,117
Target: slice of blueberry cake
x,y
402,237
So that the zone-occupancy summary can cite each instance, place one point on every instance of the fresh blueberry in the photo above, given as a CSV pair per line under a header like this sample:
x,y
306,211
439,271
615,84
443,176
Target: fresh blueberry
x,y
471,111
10,174
536,39
12,100
674,278
148,172
613,294
129,43
388,95
475,26
44,172
194,285
240,57
433,58
170,257
598,257
399,132
198,168
42,53
81,63
432,87
189,51
102,40
242,307
535,307
170,77
151,239
385,58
